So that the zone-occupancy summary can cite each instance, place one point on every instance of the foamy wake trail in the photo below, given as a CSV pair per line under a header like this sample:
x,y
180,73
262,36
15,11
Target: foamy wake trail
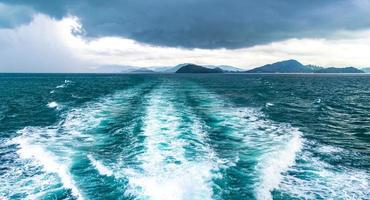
x,y
274,145
279,146
167,174
53,148
274,163
30,150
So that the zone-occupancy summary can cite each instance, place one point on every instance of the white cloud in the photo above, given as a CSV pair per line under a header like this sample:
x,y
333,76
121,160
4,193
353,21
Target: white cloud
x,y
47,45
44,45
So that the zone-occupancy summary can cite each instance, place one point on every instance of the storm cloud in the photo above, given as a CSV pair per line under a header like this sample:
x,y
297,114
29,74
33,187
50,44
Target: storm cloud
x,y
205,24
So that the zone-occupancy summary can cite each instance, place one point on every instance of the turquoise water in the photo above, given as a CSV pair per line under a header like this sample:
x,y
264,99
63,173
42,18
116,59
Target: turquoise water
x,y
86,136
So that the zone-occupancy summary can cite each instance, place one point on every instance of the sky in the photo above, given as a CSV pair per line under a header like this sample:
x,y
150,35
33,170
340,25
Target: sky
x,y
106,36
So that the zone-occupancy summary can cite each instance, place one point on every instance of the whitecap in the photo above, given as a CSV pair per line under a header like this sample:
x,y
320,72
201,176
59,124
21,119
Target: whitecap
x,y
329,149
65,84
53,104
61,86
102,169
269,105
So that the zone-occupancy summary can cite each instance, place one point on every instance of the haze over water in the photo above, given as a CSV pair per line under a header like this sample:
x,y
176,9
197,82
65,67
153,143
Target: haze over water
x,y
239,136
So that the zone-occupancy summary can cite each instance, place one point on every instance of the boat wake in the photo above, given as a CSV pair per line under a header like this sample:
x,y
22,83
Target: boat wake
x,y
257,148
166,171
165,141
51,152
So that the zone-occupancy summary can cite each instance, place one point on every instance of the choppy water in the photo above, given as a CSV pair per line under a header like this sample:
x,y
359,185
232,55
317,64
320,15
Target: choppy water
x,y
184,136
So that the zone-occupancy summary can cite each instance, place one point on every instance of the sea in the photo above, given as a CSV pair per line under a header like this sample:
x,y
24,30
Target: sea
x,y
184,136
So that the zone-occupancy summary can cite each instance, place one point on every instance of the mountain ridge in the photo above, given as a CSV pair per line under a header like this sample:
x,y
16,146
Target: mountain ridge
x,y
285,66
192,68
293,66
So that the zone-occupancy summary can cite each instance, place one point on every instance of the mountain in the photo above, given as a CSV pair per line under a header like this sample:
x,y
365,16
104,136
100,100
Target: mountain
x,y
191,68
287,66
167,69
339,70
293,66
314,67
174,69
225,68
141,70
366,69
113,69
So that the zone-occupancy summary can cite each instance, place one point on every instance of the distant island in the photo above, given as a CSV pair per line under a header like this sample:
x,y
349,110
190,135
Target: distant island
x,y
286,66
144,70
293,66
191,68
366,69
339,70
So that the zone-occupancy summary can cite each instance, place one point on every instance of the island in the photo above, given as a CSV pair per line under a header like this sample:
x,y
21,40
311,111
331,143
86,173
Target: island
x,y
192,68
293,66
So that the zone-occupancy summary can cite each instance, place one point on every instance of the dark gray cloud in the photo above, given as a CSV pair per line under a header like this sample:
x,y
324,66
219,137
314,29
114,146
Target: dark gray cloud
x,y
208,23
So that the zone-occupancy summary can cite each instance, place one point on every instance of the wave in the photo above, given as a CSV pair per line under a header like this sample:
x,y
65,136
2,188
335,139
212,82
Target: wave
x,y
103,170
269,105
274,163
313,178
53,104
55,149
65,84
29,149
185,145
271,147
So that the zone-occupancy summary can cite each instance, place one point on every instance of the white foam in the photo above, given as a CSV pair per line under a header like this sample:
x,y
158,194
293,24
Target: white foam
x,y
61,86
37,153
160,179
275,145
329,149
273,164
269,104
326,181
65,84
53,104
51,148
103,170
